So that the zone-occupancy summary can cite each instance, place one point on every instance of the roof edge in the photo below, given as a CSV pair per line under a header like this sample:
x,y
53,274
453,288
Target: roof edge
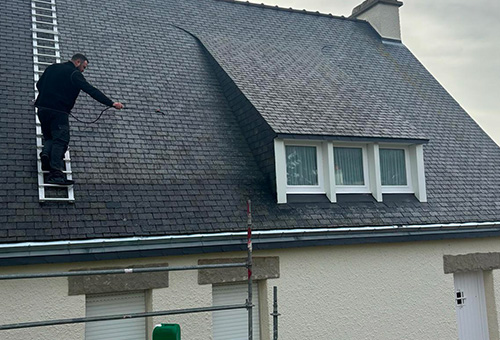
x,y
293,10
133,247
353,138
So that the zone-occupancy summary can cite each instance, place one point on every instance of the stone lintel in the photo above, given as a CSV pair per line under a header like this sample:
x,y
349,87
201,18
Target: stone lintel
x,y
471,262
262,268
110,283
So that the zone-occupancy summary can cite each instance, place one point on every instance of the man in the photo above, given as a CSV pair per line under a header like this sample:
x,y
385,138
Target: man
x,y
58,87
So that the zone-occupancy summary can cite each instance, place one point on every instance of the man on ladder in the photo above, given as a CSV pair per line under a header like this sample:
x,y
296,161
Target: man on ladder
x,y
58,87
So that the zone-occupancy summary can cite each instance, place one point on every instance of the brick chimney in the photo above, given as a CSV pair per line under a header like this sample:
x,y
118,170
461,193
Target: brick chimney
x,y
383,15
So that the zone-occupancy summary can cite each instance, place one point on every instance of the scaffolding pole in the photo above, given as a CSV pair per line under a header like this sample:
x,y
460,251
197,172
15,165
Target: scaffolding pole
x,y
119,317
118,271
249,263
275,313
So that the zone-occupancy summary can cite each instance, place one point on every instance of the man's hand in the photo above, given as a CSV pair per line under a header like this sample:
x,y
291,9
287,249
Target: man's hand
x,y
118,105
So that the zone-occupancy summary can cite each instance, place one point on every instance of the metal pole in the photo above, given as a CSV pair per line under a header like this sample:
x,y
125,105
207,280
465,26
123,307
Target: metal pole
x,y
249,263
275,313
119,317
118,271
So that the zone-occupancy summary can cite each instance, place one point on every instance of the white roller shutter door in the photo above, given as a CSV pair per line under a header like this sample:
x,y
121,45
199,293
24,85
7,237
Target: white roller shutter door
x,y
111,304
233,324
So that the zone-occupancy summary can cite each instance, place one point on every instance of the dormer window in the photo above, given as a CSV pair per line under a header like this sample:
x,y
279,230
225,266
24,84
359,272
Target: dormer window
x,y
395,175
301,165
350,169
334,168
304,168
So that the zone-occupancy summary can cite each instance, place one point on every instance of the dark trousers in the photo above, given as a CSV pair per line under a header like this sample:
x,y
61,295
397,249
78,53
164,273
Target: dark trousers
x,y
55,130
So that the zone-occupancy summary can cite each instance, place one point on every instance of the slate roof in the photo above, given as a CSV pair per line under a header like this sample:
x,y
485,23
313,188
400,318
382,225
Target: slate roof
x,y
140,173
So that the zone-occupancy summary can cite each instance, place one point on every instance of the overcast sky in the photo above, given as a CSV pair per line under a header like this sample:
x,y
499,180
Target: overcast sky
x,y
458,41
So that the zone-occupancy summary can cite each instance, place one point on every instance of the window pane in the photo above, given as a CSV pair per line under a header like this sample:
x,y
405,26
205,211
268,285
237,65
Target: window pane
x,y
301,165
393,167
349,166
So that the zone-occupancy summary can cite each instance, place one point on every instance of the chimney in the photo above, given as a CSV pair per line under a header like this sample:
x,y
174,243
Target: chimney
x,y
383,15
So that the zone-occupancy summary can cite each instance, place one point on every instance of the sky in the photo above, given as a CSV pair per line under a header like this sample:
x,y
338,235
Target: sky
x,y
458,41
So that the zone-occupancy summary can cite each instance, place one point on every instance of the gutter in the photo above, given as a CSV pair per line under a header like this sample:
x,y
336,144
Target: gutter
x,y
174,245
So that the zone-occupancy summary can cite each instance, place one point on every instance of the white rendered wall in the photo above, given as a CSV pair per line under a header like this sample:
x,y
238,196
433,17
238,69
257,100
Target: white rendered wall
x,y
385,19
379,291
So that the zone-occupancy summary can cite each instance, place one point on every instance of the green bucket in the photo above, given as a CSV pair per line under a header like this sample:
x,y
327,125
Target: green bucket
x,y
167,331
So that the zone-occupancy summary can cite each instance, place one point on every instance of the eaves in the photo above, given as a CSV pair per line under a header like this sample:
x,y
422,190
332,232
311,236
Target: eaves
x,y
175,245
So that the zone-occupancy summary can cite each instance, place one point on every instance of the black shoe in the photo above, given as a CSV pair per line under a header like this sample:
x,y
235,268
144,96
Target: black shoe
x,y
45,162
59,181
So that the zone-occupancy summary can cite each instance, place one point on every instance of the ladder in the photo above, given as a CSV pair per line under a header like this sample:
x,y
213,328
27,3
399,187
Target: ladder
x,y
45,53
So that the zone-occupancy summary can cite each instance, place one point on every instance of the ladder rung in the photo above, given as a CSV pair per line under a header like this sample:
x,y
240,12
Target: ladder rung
x,y
34,5
39,30
35,18
64,172
43,22
45,39
45,55
44,2
43,16
67,160
42,63
54,185
46,47
34,14
42,9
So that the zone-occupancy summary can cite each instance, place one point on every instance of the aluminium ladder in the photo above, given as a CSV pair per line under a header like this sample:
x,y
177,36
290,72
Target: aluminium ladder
x,y
45,53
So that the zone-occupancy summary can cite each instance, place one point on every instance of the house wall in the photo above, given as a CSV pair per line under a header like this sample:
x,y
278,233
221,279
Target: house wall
x,y
371,291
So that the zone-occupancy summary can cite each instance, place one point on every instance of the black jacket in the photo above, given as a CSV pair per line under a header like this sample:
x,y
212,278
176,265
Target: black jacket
x,y
60,85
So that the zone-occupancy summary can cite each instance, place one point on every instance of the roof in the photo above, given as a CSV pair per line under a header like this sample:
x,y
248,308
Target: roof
x,y
140,173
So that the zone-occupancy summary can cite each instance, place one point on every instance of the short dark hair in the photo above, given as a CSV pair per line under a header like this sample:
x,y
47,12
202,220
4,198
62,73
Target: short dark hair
x,y
80,57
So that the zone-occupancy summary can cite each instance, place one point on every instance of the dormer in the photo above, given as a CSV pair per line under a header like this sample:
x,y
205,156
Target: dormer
x,y
334,167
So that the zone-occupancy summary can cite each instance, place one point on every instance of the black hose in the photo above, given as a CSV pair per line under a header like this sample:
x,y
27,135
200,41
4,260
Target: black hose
x,y
72,115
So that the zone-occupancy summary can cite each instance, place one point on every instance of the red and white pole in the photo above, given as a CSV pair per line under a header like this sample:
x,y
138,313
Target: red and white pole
x,y
249,266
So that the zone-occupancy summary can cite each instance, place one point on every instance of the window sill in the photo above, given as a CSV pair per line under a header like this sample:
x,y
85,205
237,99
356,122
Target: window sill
x,y
307,198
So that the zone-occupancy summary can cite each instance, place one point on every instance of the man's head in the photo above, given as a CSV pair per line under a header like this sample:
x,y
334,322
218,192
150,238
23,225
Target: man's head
x,y
80,61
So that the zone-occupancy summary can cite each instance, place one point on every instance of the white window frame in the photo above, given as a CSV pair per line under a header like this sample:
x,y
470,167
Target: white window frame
x,y
353,189
399,189
307,189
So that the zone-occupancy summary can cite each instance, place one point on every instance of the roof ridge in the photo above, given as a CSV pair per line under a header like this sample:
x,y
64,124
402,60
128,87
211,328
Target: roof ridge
x,y
290,9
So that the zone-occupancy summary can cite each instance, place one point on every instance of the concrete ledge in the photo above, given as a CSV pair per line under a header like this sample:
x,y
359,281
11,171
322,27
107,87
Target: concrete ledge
x,y
263,268
471,262
95,284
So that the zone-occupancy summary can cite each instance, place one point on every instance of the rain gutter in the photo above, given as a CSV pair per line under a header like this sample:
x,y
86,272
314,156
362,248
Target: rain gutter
x,y
172,245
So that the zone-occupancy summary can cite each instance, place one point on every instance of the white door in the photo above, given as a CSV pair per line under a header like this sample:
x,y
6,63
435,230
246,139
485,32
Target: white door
x,y
470,305
112,304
